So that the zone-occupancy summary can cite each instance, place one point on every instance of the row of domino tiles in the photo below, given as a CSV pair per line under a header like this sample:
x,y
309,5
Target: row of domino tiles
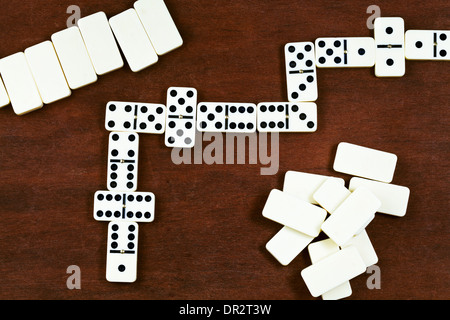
x,y
310,204
123,207
47,72
386,51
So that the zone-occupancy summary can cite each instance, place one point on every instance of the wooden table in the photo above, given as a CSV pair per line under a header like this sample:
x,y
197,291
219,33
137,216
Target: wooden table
x,y
208,239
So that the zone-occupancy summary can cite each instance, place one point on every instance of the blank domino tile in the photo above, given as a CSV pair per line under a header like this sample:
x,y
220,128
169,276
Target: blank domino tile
x,y
365,248
303,185
100,43
365,162
294,213
331,194
47,72
427,45
287,244
19,84
133,40
4,98
332,271
320,250
352,216
74,58
394,199
159,25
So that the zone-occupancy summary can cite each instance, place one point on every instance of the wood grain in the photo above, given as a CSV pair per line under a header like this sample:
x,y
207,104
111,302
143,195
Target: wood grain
x,y
208,239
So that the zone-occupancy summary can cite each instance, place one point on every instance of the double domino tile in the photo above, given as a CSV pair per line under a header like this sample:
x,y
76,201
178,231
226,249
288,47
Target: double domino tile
x,y
310,204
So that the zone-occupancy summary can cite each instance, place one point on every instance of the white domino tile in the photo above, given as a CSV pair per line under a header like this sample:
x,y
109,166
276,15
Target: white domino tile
x,y
74,58
287,244
394,199
122,251
226,117
352,216
331,194
365,248
320,250
350,52
287,117
365,162
20,84
127,206
4,98
159,25
133,40
427,45
294,213
389,34
100,43
301,73
303,185
333,271
135,117
47,72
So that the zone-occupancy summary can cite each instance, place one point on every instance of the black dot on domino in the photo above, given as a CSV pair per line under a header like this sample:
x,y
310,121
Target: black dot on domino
x,y
128,108
121,268
173,93
389,30
322,60
310,124
390,62
419,44
291,49
443,53
321,43
361,51
203,125
112,107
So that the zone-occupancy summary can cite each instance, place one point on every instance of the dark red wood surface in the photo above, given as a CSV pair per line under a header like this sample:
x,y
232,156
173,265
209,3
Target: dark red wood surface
x,y
208,239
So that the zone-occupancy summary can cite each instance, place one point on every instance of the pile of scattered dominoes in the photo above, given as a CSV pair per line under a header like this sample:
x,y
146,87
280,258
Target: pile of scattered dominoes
x,y
75,57
312,203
